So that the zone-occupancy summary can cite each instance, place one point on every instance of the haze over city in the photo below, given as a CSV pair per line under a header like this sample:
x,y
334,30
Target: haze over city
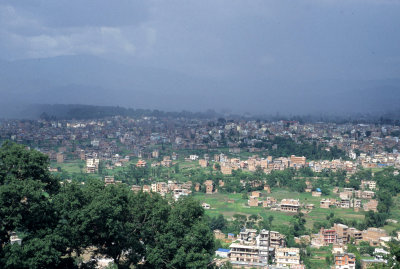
x,y
287,57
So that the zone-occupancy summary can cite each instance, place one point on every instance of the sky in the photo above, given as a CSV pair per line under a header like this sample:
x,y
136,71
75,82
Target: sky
x,y
281,56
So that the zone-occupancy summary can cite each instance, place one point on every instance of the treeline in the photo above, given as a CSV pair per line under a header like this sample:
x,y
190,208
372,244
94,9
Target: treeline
x,y
82,112
59,223
284,147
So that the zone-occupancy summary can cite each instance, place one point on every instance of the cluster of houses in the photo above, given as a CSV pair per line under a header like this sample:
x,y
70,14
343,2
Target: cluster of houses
x,y
285,205
176,189
340,235
257,249
252,163
356,199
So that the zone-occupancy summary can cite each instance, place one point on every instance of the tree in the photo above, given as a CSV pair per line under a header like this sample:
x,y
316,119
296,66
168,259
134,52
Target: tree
x,y
185,242
19,163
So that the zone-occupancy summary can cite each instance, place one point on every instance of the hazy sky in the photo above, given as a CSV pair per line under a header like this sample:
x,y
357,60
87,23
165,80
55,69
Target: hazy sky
x,y
238,47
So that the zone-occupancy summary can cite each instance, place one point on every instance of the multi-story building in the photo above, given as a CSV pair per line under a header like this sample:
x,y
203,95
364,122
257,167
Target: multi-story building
x,y
287,257
329,236
290,205
345,261
271,238
342,233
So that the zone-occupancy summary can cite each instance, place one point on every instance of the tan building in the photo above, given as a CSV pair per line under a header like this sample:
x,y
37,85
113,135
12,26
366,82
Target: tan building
x,y
342,232
297,162
371,205
209,186
248,255
325,203
141,163
372,235
356,234
275,239
253,201
290,205
226,170
219,235
267,188
368,184
203,163
109,180
136,188
316,194
60,157
287,257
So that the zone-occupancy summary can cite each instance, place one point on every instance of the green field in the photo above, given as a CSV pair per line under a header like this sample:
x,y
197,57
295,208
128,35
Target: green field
x,y
220,205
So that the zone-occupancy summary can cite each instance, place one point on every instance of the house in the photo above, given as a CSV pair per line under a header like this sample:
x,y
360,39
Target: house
x,y
226,170
222,252
247,236
136,188
289,205
341,233
373,235
249,255
218,234
209,186
287,257
325,203
141,163
356,234
371,205
205,206
368,184
273,238
203,163
345,261
316,194
270,201
329,236
267,188
109,180
253,201
146,188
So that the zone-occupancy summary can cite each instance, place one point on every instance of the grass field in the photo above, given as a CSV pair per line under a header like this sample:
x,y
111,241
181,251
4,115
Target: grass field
x,y
220,204
70,166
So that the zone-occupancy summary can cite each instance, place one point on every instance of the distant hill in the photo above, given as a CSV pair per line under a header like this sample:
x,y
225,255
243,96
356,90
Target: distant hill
x,y
94,81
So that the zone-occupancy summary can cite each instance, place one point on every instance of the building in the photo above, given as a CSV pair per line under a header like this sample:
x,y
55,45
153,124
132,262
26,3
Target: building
x,y
109,180
356,234
60,157
203,163
368,184
325,203
345,261
271,238
373,235
209,186
342,232
329,236
141,163
249,255
287,257
226,170
297,162
371,205
253,201
222,252
219,235
92,165
290,205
